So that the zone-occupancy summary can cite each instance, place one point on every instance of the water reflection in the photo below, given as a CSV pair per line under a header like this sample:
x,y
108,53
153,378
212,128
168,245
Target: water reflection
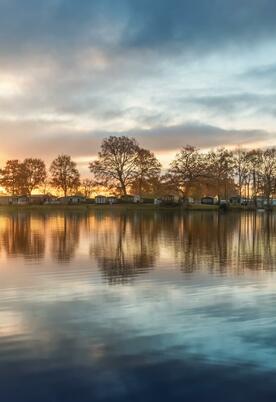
x,y
65,235
192,315
126,244
23,236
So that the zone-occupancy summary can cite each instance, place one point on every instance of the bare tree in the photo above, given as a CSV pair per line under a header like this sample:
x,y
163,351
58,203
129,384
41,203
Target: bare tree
x,y
34,174
221,170
13,177
268,173
241,169
64,174
116,163
148,170
254,158
187,169
87,186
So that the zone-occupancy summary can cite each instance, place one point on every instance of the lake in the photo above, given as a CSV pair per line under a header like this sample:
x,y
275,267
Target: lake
x,y
137,306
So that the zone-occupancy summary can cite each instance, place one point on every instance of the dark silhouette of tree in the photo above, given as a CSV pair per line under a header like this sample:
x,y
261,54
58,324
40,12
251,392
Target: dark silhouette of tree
x,y
148,170
34,174
116,164
268,173
13,177
64,174
87,187
124,167
254,164
241,169
187,169
220,170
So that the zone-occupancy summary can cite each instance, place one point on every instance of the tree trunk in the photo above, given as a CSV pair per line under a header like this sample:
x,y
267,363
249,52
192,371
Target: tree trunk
x,y
123,187
140,188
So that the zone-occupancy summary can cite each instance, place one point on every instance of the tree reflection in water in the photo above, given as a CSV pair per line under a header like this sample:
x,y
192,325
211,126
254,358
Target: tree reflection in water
x,y
65,234
23,235
126,244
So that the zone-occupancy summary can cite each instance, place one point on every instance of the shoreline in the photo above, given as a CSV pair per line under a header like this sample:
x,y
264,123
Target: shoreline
x,y
130,207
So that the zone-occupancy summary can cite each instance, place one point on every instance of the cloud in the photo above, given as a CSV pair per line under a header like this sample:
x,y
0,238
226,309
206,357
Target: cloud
x,y
47,144
74,72
233,104
197,134
263,75
67,24
199,24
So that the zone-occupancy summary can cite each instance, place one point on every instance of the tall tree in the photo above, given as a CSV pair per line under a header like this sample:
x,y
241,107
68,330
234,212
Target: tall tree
x,y
221,170
34,174
187,169
254,187
268,173
116,163
87,186
64,174
13,177
148,170
241,169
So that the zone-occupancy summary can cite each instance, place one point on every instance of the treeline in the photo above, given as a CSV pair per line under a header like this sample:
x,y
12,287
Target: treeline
x,y
123,167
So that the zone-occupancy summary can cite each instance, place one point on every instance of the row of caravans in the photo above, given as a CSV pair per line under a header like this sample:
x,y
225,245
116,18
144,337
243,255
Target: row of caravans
x,y
69,200
37,199
49,199
259,202
23,199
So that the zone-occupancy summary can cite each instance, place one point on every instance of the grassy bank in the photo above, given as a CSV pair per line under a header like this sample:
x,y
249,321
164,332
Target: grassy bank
x,y
125,207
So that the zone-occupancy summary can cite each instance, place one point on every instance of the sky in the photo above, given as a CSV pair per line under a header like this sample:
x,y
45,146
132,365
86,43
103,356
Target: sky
x,y
167,72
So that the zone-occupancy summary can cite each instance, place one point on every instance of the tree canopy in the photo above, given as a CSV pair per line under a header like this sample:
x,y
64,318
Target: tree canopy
x,y
34,172
64,174
124,167
116,166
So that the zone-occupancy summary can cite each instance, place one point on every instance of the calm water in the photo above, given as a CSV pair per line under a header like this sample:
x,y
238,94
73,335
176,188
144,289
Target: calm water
x,y
138,306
